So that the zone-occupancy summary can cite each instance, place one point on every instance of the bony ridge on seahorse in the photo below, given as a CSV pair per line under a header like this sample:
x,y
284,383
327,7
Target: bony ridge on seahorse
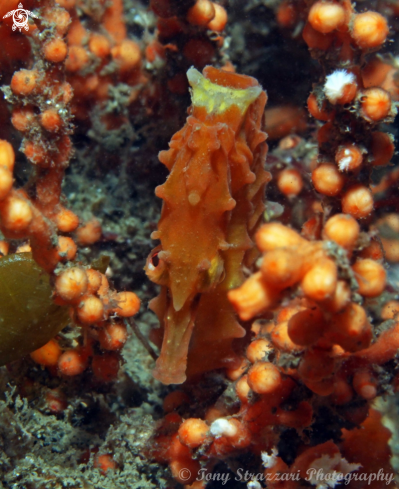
x,y
213,200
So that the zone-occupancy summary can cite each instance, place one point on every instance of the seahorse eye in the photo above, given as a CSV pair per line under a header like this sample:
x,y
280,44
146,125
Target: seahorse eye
x,y
156,268
154,260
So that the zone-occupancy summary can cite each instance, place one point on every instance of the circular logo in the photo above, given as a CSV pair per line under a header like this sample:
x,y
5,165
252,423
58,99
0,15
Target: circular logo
x,y
184,474
20,18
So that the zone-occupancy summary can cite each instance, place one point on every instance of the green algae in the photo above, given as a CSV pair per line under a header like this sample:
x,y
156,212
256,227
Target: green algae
x,y
28,316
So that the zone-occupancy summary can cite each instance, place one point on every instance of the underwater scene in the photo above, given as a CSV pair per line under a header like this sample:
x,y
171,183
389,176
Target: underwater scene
x,y
199,244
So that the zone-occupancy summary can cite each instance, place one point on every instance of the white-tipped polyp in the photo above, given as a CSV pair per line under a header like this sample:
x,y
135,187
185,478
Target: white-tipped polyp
x,y
222,427
269,461
335,84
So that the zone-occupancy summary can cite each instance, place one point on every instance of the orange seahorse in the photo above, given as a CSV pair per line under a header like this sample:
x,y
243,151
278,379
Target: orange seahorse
x,y
213,203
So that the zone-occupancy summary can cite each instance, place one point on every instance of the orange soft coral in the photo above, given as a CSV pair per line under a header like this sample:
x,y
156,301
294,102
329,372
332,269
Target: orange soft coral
x,y
213,200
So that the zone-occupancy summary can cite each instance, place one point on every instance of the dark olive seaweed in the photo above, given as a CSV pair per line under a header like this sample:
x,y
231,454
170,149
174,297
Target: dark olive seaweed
x,y
28,316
